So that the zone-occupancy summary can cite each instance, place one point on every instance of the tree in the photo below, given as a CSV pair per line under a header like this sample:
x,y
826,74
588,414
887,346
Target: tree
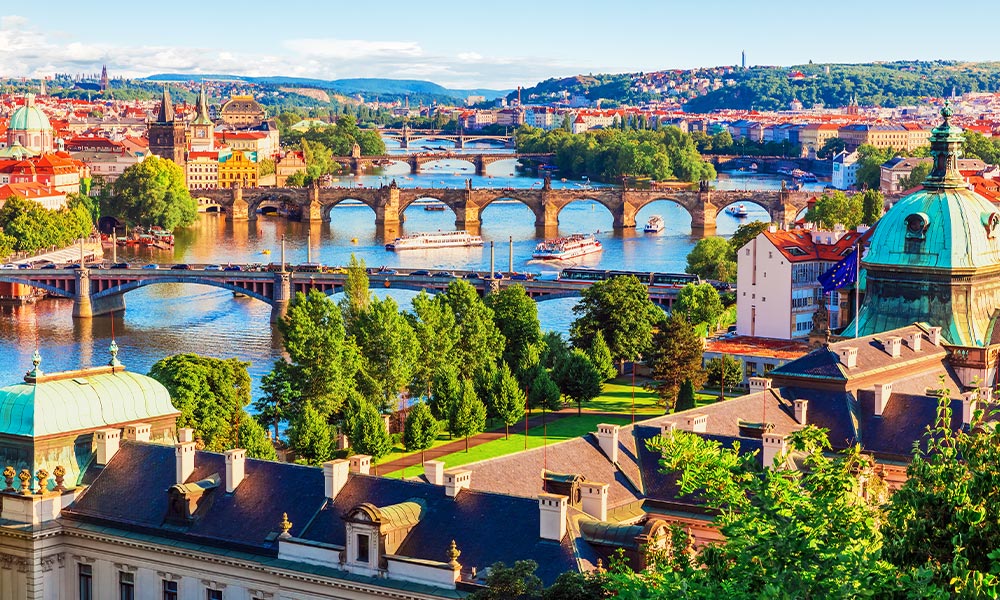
x,y
436,334
942,529
746,233
837,208
544,392
712,258
468,414
578,379
830,147
809,533
210,394
447,392
279,396
870,161
152,192
516,317
421,429
916,176
479,341
323,361
508,401
700,303
388,350
872,206
675,358
309,436
600,355
724,372
685,397
357,295
26,226
253,438
621,310
573,585
366,429
554,348
518,582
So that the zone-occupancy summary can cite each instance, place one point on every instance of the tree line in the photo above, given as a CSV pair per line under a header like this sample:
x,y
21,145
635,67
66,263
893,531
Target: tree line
x,y
27,226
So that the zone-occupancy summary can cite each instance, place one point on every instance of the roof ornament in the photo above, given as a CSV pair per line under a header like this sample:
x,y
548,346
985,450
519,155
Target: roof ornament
x,y
285,526
453,554
35,372
113,348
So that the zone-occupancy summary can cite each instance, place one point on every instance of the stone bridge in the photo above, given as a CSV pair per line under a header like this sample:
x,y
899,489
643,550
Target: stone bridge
x,y
480,161
407,136
98,292
389,202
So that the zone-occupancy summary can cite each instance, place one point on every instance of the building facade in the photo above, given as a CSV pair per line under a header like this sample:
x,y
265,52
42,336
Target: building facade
x,y
168,134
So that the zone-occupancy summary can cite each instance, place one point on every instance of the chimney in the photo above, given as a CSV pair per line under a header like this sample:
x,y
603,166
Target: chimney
x,y
667,429
185,434
552,513
848,357
893,344
607,439
882,393
759,384
138,432
107,441
455,480
595,499
969,404
801,406
184,460
361,463
916,339
335,474
236,468
934,335
774,446
434,472
697,423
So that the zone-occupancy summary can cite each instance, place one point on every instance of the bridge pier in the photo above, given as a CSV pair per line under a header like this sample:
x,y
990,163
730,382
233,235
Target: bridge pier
x,y
703,216
82,307
240,209
314,211
624,218
481,164
281,295
387,210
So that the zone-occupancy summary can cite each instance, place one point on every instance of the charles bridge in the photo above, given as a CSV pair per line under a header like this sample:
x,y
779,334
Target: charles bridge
x,y
357,163
390,201
406,136
101,291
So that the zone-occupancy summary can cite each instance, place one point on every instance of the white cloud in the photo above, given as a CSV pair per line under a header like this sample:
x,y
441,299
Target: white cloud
x,y
29,51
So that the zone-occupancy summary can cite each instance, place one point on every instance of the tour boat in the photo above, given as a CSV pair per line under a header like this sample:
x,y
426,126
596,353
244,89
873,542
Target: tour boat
x,y
738,211
439,239
803,176
654,225
567,248
162,236
435,207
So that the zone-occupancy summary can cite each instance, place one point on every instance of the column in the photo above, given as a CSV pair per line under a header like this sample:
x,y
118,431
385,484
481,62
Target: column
x,y
281,295
82,307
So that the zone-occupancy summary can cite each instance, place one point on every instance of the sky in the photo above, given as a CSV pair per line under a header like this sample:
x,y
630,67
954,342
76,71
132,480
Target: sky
x,y
473,44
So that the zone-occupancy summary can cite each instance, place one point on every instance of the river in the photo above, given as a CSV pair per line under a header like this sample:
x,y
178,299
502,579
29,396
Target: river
x,y
167,319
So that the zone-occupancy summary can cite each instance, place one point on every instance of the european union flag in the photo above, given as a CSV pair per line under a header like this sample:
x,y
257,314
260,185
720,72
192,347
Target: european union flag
x,y
842,274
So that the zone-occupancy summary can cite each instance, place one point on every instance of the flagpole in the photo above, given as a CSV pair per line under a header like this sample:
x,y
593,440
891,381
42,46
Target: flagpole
x,y
857,288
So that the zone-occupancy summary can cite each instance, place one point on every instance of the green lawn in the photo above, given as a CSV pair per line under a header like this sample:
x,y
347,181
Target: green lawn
x,y
559,430
399,452
617,397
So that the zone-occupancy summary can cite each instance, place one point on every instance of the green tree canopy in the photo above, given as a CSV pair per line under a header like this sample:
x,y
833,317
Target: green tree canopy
x,y
600,355
685,397
420,430
554,347
357,295
621,310
152,192
310,436
872,206
26,226
436,335
745,233
468,414
447,391
388,350
518,582
479,340
712,258
870,161
544,391
366,429
509,400
837,208
578,378
675,358
699,303
916,176
279,396
516,316
724,372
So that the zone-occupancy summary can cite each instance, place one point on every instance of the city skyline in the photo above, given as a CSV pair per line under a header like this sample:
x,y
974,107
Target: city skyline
x,y
451,46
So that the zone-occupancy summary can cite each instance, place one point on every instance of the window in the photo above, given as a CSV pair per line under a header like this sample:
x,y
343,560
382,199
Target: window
x,y
213,594
169,590
126,585
362,555
86,581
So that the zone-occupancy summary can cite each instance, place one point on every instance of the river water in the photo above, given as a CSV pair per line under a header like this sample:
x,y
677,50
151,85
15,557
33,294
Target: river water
x,y
167,319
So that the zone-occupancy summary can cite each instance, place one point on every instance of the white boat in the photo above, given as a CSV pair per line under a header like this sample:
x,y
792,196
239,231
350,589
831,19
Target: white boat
x,y
567,248
654,225
438,239
738,211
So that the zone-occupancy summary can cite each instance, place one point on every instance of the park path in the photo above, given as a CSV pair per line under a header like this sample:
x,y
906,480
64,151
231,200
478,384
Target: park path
x,y
458,445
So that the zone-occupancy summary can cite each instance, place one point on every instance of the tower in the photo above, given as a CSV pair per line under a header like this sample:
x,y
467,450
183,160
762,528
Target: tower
x,y
202,128
743,57
104,78
167,134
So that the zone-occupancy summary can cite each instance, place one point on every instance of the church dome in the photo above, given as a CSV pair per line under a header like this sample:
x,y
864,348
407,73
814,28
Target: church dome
x,y
29,118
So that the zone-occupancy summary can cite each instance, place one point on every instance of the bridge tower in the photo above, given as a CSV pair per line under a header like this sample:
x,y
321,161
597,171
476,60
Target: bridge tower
x,y
240,210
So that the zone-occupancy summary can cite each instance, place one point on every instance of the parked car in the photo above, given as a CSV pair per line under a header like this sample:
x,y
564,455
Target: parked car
x,y
213,268
521,277
471,276
151,266
121,265
25,266
8,267
181,267
49,266
444,275
72,266
420,273
233,268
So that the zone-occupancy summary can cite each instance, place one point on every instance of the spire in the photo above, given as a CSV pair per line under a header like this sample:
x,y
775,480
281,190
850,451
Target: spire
x,y
114,355
35,372
166,108
946,146
201,112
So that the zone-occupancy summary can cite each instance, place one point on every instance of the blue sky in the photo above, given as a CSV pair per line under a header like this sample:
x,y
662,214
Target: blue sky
x,y
474,44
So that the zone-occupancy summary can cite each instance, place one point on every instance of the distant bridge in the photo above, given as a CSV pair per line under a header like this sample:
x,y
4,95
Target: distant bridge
x,y
480,161
102,291
407,136
389,202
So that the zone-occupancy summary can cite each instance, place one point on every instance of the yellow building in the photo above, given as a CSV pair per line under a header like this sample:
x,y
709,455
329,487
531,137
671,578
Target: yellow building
x,y
884,135
240,168
813,136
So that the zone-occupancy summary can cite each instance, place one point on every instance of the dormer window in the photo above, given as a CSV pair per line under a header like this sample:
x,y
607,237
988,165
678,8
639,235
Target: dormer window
x,y
916,226
363,547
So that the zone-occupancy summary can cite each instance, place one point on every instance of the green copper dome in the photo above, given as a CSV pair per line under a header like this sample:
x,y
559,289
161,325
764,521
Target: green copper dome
x,y
63,403
29,118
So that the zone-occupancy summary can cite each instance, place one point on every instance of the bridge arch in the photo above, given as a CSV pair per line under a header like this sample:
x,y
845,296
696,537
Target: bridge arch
x,y
39,285
274,200
407,202
329,205
459,158
612,208
534,206
209,281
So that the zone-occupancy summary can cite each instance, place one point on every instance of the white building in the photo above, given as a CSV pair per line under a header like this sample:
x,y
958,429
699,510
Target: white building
x,y
777,287
845,170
